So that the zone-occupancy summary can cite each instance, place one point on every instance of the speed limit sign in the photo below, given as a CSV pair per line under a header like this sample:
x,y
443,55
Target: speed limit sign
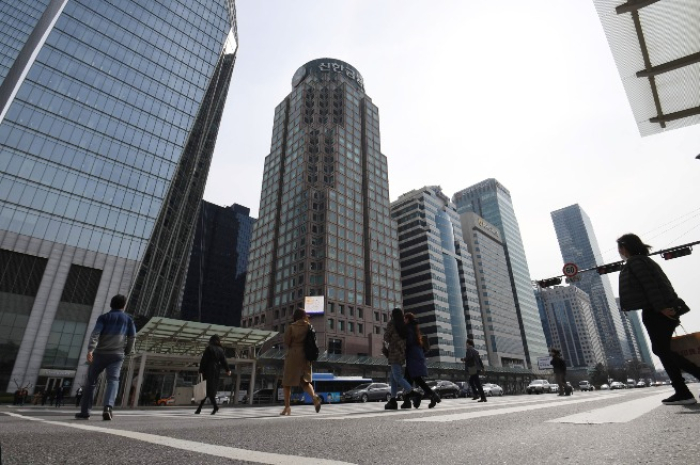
x,y
570,269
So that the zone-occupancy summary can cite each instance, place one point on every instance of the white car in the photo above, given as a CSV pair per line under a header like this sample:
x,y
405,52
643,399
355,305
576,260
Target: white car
x,y
491,389
604,387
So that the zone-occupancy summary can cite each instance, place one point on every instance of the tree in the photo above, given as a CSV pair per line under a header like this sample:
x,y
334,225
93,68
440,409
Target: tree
x,y
599,375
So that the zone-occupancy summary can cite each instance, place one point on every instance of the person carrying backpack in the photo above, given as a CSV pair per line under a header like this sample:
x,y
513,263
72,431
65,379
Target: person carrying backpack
x,y
297,368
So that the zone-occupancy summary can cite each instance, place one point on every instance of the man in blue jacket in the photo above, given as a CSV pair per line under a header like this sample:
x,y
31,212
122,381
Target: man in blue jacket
x,y
113,338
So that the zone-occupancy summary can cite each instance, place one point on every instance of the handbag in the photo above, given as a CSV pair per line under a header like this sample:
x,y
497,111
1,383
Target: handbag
x,y
310,346
687,345
200,389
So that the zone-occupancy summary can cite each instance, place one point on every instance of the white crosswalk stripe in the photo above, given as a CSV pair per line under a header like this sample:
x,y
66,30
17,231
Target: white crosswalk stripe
x,y
618,413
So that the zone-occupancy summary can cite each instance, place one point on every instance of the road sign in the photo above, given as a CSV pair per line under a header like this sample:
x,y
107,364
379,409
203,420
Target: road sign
x,y
570,269
544,363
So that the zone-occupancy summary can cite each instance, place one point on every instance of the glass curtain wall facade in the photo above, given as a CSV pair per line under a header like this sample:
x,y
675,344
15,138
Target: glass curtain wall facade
x,y
437,273
100,105
324,226
640,335
578,244
217,267
493,202
571,327
501,326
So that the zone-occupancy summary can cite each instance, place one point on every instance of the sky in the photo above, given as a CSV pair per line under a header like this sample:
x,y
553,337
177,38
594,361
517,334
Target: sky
x,y
524,92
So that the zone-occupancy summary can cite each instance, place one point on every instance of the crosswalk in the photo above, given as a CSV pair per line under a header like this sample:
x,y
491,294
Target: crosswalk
x,y
630,406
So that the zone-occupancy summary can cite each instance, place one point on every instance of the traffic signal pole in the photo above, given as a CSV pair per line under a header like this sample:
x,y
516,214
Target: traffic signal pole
x,y
667,254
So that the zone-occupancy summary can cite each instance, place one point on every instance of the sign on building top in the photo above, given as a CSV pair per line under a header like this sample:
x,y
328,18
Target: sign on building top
x,y
325,66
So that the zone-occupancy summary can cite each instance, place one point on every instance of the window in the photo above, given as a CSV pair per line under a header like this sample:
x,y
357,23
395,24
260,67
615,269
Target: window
x,y
341,309
384,317
351,311
359,313
359,328
331,307
341,325
351,327
330,323
376,316
335,346
377,330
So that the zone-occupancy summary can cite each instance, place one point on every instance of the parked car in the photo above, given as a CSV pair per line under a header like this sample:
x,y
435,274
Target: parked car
x,y
630,384
616,385
491,389
604,387
261,396
585,386
464,389
538,386
163,401
368,392
641,384
444,389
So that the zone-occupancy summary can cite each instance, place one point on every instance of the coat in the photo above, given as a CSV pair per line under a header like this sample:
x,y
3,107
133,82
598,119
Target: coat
x,y
558,364
297,370
472,361
210,365
644,285
396,345
415,357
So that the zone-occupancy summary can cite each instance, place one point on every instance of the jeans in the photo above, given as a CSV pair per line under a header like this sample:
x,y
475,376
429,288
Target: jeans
x,y
100,362
396,378
660,330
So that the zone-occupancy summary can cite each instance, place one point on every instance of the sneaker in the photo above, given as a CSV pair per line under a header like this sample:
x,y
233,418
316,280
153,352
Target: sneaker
x,y
680,399
82,416
107,413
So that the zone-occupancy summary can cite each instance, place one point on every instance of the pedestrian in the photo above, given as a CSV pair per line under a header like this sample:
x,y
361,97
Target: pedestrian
x,y
58,396
213,360
18,396
78,396
111,340
395,350
415,363
297,369
643,285
473,366
559,367
44,396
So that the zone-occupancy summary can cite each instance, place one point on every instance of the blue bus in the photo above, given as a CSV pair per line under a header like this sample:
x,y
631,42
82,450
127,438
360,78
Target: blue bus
x,y
329,387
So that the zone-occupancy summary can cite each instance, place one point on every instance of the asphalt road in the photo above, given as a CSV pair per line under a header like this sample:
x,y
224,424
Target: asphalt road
x,y
602,427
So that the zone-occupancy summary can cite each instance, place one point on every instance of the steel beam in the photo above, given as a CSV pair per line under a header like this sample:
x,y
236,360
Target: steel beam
x,y
676,115
633,5
670,66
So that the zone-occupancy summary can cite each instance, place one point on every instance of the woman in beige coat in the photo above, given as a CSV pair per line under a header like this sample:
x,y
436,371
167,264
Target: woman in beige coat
x,y
297,370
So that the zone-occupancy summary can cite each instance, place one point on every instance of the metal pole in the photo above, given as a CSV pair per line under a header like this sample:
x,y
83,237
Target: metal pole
x,y
142,368
129,379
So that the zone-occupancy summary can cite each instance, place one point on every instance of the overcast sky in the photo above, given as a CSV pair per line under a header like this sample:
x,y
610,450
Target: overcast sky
x,y
524,92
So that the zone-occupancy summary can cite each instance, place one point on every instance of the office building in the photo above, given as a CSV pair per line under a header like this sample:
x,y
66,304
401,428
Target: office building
x,y
504,342
492,201
639,331
218,263
578,244
437,273
570,324
108,113
324,227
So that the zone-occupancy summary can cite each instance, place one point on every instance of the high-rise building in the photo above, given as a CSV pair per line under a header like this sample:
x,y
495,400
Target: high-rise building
x,y
568,315
437,273
216,274
504,341
640,335
108,113
324,227
579,245
493,202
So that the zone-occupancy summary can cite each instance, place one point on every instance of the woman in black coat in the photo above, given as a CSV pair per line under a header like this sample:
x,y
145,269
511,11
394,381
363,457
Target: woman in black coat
x,y
213,360
644,285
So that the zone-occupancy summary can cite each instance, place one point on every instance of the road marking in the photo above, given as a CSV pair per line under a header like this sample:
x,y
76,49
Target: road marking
x,y
464,406
619,413
508,410
193,446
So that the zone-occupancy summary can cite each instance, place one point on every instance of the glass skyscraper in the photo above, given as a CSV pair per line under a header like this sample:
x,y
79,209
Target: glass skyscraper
x,y
567,313
108,113
218,263
324,227
504,340
437,273
492,201
579,245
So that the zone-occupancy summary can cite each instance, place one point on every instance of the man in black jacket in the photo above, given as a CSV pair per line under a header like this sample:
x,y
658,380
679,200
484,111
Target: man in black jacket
x,y
559,366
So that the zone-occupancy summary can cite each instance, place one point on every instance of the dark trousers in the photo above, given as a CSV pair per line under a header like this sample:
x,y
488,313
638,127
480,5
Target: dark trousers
x,y
419,381
477,388
211,398
660,330
561,381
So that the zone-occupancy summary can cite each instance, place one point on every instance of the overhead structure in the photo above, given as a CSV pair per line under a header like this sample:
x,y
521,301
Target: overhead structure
x,y
656,46
168,344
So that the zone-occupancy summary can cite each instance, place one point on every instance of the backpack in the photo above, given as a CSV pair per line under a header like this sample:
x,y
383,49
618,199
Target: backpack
x,y
310,347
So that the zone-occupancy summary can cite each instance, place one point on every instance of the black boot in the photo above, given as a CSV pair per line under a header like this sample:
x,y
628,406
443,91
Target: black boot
x,y
391,405
434,400
406,403
216,409
483,399
416,401
475,398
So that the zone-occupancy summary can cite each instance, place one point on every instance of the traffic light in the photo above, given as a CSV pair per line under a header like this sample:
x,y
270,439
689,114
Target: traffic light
x,y
682,252
609,268
549,282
